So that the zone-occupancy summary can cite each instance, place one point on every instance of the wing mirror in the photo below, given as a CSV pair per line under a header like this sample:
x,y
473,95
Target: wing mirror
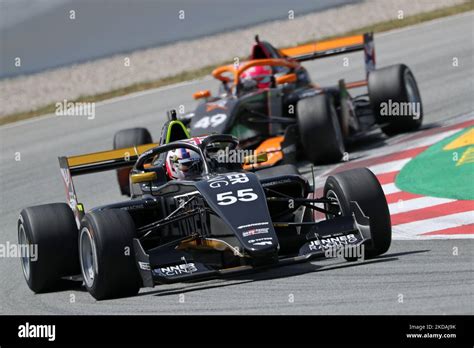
x,y
143,177
288,78
205,93
253,159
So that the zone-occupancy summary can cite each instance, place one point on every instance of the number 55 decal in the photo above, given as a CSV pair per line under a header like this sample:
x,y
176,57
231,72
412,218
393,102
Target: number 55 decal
x,y
227,198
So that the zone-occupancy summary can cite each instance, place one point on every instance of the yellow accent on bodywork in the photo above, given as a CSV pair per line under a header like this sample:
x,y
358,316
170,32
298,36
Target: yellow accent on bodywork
x,y
143,177
110,155
179,123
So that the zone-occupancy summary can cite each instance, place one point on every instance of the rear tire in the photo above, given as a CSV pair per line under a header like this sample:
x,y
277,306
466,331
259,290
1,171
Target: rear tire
x,y
394,84
106,254
128,138
362,186
52,228
319,129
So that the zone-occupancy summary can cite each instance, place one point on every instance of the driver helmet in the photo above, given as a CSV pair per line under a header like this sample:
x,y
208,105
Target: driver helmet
x,y
262,75
183,164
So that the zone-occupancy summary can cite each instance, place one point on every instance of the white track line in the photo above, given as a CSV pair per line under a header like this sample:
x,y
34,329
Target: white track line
x,y
407,145
431,139
390,188
397,165
413,230
416,203
388,167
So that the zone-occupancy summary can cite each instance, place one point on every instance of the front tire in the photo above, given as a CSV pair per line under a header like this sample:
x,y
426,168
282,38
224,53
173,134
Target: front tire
x,y
129,138
52,229
319,129
395,86
106,254
362,186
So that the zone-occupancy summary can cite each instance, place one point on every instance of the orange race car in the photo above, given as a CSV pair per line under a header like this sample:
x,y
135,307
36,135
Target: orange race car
x,y
270,104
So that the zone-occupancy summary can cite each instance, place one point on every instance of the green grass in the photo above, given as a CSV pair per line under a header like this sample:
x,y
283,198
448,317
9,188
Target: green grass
x,y
198,73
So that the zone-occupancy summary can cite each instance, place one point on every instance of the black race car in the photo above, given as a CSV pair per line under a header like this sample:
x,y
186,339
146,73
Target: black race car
x,y
290,117
221,221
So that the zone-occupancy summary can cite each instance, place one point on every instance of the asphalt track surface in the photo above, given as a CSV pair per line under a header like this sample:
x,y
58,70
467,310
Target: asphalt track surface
x,y
413,277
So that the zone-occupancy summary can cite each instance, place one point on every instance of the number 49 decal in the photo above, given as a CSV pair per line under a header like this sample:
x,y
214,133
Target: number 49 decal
x,y
228,198
210,121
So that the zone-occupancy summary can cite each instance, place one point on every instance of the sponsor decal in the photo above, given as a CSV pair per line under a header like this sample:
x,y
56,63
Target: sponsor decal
x,y
66,176
278,182
253,225
185,268
70,193
144,265
332,242
135,206
261,241
264,243
146,153
37,331
230,179
219,104
255,231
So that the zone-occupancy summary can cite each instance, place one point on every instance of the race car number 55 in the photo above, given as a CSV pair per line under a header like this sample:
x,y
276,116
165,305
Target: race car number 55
x,y
228,198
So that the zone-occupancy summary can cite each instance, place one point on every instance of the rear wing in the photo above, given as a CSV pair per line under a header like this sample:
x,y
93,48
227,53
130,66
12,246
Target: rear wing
x,y
104,160
94,163
334,47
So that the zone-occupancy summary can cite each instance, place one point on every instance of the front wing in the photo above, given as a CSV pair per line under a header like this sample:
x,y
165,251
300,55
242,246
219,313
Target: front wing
x,y
171,263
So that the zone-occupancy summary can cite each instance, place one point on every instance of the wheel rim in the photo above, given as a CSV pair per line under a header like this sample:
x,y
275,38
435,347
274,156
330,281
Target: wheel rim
x,y
25,257
88,257
413,94
333,208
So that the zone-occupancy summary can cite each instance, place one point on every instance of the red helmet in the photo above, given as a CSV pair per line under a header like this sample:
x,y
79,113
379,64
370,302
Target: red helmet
x,y
260,74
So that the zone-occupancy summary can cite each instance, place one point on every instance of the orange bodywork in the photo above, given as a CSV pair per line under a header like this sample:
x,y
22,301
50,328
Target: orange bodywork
x,y
354,40
202,94
357,84
272,147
